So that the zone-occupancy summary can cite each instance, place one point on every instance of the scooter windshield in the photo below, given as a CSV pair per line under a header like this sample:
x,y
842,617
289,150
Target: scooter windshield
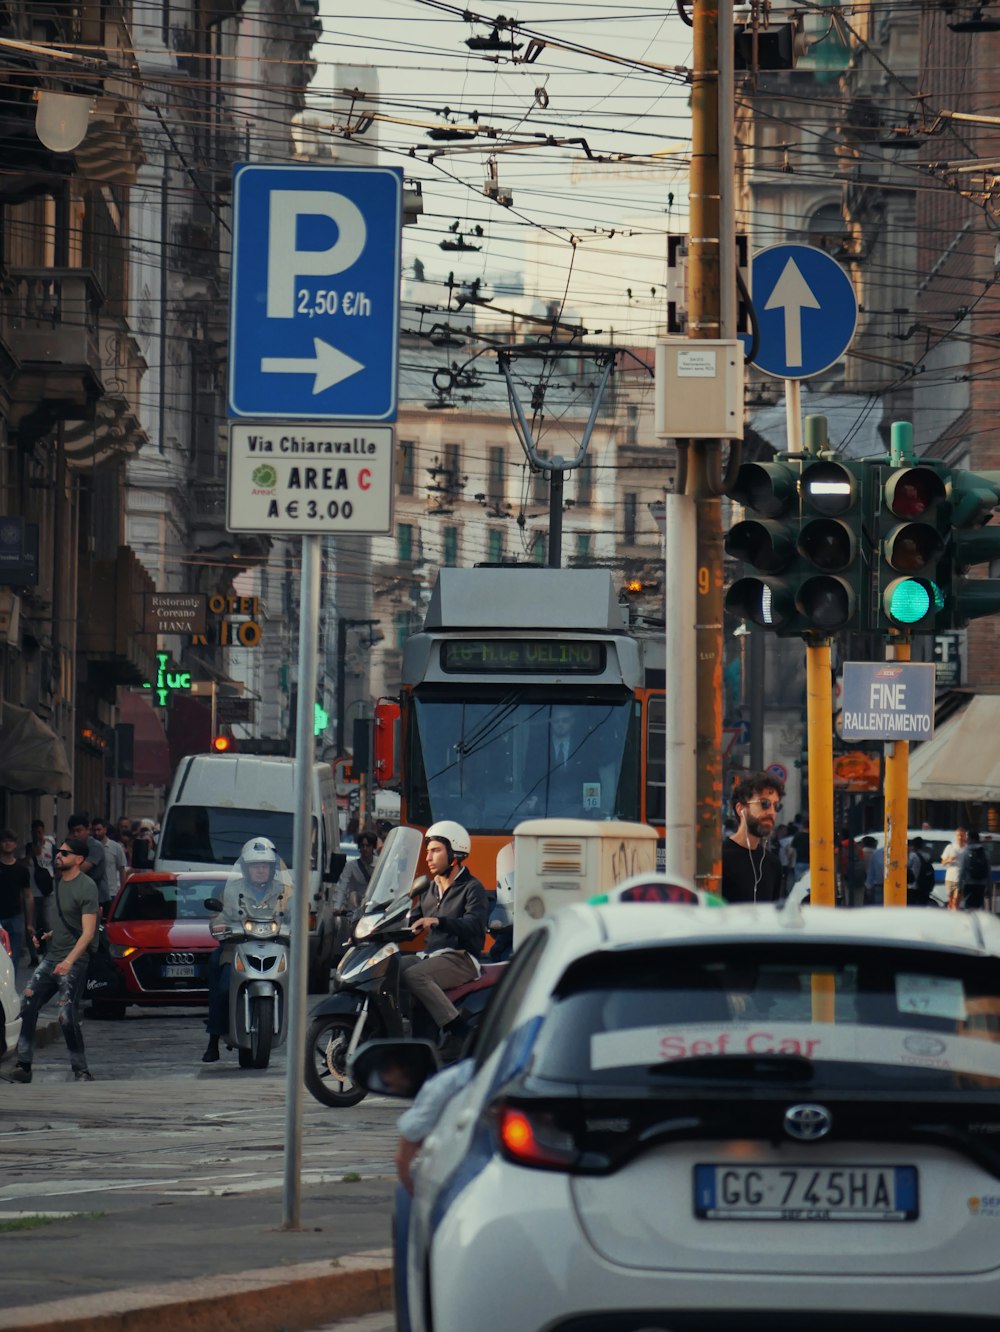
x,y
397,866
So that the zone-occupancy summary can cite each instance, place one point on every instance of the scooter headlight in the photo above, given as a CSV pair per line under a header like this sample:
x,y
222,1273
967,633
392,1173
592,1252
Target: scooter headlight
x,y
261,929
367,925
366,963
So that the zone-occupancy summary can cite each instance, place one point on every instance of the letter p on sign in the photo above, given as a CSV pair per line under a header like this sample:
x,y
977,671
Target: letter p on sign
x,y
285,262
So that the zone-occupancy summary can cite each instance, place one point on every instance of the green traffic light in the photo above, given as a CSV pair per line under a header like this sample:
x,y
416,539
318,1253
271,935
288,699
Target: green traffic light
x,y
909,601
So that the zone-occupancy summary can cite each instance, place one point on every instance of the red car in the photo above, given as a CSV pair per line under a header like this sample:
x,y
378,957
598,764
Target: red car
x,y
160,940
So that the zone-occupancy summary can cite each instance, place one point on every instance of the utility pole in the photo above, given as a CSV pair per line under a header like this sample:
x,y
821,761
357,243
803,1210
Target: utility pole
x,y
705,321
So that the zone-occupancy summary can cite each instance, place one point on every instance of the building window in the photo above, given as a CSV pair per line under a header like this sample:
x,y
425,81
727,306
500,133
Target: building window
x,y
585,483
541,484
827,228
631,507
401,628
453,462
582,545
404,543
496,482
495,545
540,549
407,449
451,547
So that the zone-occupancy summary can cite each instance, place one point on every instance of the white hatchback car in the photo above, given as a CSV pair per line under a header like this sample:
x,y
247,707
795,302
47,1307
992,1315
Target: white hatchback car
x,y
755,1118
10,1004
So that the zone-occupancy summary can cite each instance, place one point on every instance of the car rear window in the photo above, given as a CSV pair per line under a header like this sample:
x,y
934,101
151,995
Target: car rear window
x,y
829,1015
209,835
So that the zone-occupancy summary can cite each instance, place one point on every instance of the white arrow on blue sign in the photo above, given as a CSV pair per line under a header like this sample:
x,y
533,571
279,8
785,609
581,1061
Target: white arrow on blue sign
x,y
806,308
314,295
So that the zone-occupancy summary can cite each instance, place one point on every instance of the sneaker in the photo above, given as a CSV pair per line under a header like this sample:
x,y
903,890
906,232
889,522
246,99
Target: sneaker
x,y
83,1075
21,1074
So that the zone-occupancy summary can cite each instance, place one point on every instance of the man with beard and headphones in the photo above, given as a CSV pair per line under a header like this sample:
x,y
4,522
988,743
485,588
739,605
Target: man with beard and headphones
x,y
750,872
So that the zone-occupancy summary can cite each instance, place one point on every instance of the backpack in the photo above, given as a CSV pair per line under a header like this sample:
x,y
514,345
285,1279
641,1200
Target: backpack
x,y
977,865
925,876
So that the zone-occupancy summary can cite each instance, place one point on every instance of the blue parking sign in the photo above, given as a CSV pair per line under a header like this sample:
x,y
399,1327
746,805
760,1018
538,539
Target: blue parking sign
x,y
314,296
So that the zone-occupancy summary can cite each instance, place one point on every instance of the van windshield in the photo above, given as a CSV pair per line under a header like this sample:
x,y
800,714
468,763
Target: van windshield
x,y
212,835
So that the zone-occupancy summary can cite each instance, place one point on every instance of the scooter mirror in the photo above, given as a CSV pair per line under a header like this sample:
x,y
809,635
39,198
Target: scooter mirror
x,y
394,1068
212,904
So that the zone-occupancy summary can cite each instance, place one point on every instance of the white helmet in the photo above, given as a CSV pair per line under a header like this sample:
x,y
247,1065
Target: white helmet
x,y
259,850
454,836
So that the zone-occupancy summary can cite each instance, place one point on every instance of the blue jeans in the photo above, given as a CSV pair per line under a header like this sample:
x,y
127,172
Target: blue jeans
x,y
44,983
217,1023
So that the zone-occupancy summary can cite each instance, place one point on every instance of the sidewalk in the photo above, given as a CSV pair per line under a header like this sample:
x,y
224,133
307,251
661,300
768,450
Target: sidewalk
x,y
232,1265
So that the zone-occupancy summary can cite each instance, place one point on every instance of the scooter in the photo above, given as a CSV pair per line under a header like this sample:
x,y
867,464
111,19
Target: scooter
x,y
365,1003
259,954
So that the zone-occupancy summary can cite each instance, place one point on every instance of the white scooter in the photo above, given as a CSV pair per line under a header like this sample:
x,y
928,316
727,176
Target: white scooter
x,y
259,953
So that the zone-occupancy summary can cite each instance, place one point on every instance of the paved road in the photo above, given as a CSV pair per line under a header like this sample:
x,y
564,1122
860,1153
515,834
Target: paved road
x,y
158,1130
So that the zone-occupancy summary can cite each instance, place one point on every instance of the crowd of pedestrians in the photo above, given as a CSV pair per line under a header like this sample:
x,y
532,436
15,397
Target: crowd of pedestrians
x,y
26,880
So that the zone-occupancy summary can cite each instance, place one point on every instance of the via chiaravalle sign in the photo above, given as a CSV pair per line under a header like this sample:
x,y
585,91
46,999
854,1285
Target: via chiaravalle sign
x,y
888,700
310,478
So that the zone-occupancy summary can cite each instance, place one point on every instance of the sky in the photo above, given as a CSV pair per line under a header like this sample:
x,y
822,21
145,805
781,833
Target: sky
x,y
583,232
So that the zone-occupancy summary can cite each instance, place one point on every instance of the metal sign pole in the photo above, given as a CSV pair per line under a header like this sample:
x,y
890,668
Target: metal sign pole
x,y
297,991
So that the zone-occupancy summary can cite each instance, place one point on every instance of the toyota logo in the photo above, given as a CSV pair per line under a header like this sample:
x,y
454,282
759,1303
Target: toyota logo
x,y
807,1122
180,959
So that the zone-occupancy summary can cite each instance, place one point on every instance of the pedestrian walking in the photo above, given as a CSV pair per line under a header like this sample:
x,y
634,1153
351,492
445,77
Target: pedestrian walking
x,y
16,907
39,857
115,857
975,874
63,969
78,825
951,857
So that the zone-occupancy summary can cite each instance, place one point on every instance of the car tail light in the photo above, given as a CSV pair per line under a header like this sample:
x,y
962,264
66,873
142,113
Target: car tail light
x,y
5,942
533,1138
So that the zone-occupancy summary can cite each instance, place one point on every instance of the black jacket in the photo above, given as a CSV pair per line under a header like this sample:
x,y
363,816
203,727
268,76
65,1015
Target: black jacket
x,y
462,913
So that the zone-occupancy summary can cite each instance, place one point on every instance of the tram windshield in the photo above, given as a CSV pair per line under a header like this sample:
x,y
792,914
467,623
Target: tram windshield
x,y
499,757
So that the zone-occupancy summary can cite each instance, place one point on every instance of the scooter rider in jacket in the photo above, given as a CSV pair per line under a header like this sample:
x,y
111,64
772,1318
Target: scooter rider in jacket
x,y
455,911
258,878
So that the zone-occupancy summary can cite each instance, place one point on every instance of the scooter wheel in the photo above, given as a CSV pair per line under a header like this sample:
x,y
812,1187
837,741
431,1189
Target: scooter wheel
x,y
327,1078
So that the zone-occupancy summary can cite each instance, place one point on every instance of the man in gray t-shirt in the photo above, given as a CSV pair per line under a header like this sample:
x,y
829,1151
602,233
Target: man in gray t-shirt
x,y
63,969
78,825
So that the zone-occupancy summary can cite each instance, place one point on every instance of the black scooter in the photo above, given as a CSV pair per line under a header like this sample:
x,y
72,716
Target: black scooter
x,y
365,1004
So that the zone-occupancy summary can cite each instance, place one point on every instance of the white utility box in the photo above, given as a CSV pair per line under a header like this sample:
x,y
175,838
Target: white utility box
x,y
559,862
699,389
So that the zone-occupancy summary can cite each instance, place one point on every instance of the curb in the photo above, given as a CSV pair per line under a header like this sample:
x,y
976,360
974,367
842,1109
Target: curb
x,y
296,1297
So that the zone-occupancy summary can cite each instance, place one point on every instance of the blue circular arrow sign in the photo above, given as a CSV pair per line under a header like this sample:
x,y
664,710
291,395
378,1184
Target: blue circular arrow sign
x,y
806,310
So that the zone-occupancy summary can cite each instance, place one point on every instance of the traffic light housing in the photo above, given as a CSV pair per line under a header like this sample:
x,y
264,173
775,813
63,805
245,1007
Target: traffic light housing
x,y
804,566
223,744
974,540
914,529
829,591
766,543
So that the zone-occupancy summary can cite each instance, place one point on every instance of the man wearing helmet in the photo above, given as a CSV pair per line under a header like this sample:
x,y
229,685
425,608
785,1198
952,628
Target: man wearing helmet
x,y
258,877
454,911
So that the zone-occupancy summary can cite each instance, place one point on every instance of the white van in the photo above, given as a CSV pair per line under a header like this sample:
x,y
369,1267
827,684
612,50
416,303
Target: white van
x,y
219,801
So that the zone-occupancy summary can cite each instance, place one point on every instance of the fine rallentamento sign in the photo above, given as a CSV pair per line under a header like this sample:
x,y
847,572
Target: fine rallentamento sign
x,y
310,478
888,700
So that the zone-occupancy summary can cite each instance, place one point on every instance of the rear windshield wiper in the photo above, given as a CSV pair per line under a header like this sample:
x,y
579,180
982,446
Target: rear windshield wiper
x,y
739,1068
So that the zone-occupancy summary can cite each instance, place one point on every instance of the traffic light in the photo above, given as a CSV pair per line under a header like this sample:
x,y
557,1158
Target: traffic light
x,y
973,541
766,544
222,744
914,525
831,569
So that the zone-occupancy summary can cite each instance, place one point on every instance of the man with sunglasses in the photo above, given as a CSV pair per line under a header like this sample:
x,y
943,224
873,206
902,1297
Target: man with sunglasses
x,y
63,969
750,871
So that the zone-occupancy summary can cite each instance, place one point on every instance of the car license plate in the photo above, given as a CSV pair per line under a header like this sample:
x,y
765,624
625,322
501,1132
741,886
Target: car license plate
x,y
805,1193
172,970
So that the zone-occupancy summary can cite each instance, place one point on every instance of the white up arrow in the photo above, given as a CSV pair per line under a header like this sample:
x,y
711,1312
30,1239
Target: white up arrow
x,y
329,365
793,294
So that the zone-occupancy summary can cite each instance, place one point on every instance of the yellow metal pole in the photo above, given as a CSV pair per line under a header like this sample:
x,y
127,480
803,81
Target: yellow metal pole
x,y
897,794
819,704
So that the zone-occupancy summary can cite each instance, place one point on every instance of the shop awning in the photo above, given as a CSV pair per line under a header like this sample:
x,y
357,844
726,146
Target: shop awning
x,y
962,761
32,757
150,752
